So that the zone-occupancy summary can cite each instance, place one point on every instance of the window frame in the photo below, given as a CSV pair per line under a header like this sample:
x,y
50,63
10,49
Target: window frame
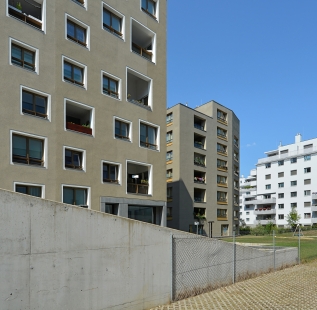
x,y
121,120
76,64
169,158
170,134
119,172
75,150
42,186
113,78
157,127
145,10
88,193
29,136
80,24
105,6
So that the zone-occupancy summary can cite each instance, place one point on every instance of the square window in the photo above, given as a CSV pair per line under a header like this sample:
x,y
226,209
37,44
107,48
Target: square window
x,y
149,136
78,195
222,116
267,177
281,184
294,205
122,129
113,21
293,172
280,162
222,149
307,215
307,181
268,186
28,149
281,195
35,190
149,7
293,160
139,178
77,31
111,172
307,170
307,204
74,158
281,206
280,175
281,216
74,72
307,193
293,194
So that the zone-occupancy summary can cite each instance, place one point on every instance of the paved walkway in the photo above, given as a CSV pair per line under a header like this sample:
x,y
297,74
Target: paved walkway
x,y
291,288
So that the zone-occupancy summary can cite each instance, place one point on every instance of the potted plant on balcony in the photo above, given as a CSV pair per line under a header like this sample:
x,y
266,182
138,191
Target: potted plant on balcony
x,y
84,128
145,182
200,217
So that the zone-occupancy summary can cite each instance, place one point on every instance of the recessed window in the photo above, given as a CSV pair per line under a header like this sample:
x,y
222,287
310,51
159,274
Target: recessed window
x,y
76,196
307,181
169,174
281,184
307,204
307,215
281,216
267,176
169,118
221,180
222,214
222,149
111,172
293,160
199,123
294,205
149,136
281,206
77,31
112,21
110,86
74,158
199,195
307,193
149,7
222,133
293,183
169,156
28,150
169,137
293,172
280,175
122,129
222,197
222,116
169,193
236,156
268,186
280,162
82,3
236,141
74,72
293,194
34,103
281,195
307,157
307,170
222,164
139,178
268,165
22,57
29,189
199,141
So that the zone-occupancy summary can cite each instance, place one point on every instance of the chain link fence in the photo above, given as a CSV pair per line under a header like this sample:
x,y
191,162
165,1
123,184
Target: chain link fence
x,y
202,264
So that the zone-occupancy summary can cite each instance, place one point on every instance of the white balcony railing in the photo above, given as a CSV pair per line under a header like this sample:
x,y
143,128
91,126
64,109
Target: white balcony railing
x,y
264,211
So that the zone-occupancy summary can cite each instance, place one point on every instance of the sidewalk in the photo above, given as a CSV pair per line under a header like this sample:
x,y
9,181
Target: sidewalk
x,y
291,288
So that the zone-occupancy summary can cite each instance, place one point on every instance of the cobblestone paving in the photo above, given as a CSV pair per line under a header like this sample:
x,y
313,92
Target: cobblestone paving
x,y
291,288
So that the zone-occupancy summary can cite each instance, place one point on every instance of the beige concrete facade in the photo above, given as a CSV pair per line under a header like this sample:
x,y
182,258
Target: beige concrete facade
x,y
203,168
105,54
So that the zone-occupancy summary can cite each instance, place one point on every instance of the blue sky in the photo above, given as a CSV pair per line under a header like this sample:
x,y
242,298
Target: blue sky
x,y
256,57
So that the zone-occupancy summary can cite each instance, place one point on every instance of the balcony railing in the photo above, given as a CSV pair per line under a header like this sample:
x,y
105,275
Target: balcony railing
x,y
199,180
222,151
264,211
199,162
199,126
222,200
222,119
199,145
79,128
199,199
142,51
141,189
222,167
29,19
222,135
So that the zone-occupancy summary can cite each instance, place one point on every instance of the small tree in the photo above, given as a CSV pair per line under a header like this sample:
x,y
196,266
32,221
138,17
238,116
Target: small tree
x,y
293,218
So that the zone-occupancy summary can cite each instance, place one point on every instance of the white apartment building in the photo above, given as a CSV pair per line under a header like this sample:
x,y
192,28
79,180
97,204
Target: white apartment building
x,y
285,178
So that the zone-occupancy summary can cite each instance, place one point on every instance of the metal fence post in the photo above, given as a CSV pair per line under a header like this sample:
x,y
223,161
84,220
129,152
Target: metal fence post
x,y
234,258
274,249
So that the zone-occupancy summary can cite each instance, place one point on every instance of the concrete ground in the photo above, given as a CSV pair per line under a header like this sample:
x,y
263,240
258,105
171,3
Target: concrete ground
x,y
291,288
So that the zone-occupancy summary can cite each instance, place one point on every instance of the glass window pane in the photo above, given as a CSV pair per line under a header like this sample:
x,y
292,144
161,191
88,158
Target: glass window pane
x,y
105,172
29,57
21,189
35,191
16,52
80,198
109,209
70,29
80,34
67,70
76,159
40,104
151,135
106,17
105,83
68,157
144,214
118,128
27,101
19,146
144,4
116,23
143,133
124,129
113,85
113,172
68,195
151,7
78,74
35,148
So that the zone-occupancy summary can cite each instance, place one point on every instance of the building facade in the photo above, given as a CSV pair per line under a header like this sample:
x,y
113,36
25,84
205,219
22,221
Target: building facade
x,y
81,103
286,178
202,169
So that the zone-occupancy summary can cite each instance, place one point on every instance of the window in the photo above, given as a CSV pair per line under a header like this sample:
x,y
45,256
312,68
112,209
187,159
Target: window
x,y
307,181
122,130
236,141
293,183
74,73
281,184
30,189
294,205
34,104
222,149
268,186
169,193
307,204
169,118
248,219
268,165
236,156
110,172
222,116
112,22
293,194
22,57
142,213
280,174
148,136
149,7
169,156
307,193
27,150
110,85
307,170
110,208
199,123
281,216
293,172
221,164
221,133
222,213
75,196
199,160
280,163
199,141
221,179
281,195
267,177
169,137
222,197
199,195
307,215
281,206
74,158
307,157
76,31
293,160
169,174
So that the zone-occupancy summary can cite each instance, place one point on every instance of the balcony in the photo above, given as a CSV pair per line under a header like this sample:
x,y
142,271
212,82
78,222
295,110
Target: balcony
x,y
250,202
199,141
138,188
265,201
199,195
199,123
28,13
314,208
264,211
265,222
138,181
199,177
199,161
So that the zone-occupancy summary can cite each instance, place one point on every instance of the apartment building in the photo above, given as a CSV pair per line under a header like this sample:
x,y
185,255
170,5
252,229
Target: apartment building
x,y
284,179
202,169
83,103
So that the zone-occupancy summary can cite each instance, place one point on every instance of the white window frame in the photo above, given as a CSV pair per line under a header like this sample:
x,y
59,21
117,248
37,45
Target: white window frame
x,y
87,107
88,188
45,148
150,190
43,3
76,150
307,192
114,11
42,186
82,5
37,92
157,9
124,121
153,60
158,135
28,47
143,77
78,64
81,24
119,172
107,74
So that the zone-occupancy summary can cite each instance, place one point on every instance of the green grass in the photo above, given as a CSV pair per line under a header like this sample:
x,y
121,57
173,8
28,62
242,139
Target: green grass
x,y
308,242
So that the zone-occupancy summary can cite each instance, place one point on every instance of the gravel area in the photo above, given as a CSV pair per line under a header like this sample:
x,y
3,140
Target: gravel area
x,y
291,288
